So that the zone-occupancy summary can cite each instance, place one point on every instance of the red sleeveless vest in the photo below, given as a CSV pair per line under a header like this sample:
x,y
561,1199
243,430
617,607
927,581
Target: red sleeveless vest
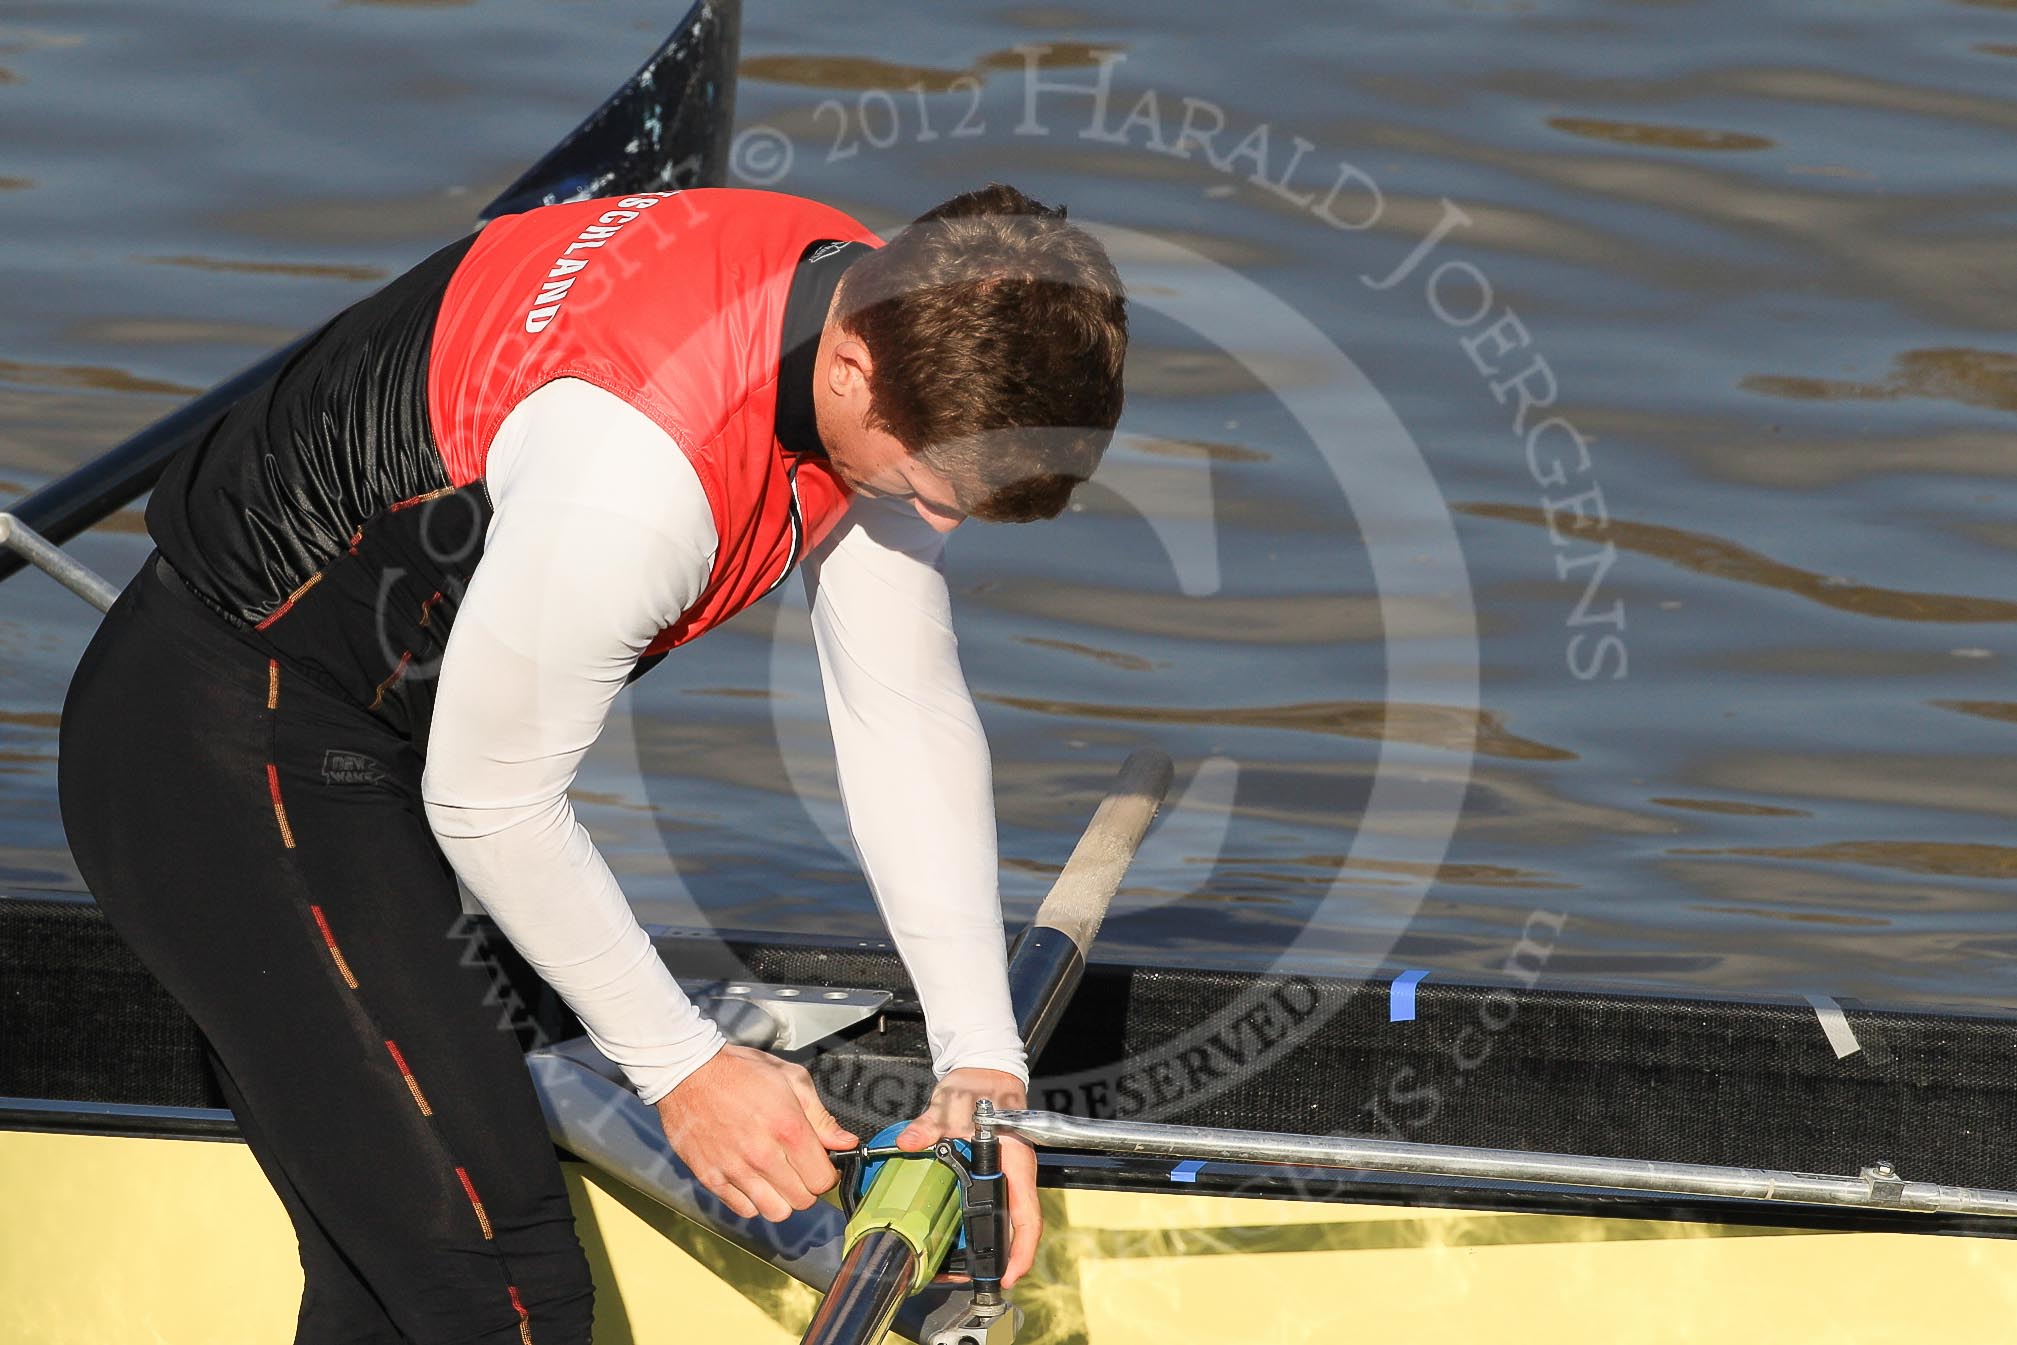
x,y
675,303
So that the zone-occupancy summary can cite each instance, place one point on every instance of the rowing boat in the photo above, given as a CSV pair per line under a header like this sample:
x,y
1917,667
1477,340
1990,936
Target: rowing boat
x,y
1224,1156
134,1216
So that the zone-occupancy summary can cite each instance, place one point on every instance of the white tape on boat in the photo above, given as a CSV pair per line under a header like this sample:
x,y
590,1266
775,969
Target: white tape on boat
x,y
1872,1037
1835,1024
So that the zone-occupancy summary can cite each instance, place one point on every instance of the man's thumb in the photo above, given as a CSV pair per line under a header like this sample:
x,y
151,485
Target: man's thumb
x,y
830,1131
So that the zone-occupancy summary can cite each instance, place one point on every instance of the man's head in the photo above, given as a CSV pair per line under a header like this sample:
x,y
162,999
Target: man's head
x,y
974,363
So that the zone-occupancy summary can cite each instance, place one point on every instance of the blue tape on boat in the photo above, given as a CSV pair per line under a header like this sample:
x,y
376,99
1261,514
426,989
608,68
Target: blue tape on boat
x,y
1401,997
1835,1024
1187,1171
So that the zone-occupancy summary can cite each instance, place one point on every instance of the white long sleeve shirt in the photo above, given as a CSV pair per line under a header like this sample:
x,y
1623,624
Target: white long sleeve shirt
x,y
601,537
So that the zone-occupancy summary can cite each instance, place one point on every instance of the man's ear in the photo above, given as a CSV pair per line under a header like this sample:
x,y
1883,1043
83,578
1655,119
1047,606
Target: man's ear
x,y
850,363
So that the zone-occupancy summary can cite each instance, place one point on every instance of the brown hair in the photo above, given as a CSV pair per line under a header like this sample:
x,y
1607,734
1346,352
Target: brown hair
x,y
997,332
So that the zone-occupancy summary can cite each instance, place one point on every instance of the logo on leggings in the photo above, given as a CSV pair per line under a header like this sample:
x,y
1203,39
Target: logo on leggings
x,y
352,768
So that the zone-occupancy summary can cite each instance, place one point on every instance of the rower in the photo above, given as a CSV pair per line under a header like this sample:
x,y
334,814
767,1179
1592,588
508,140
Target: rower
x,y
397,589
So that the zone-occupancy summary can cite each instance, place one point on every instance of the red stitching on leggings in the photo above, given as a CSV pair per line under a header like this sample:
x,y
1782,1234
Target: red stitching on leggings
x,y
427,608
292,598
322,923
524,1317
420,499
412,1084
279,808
469,1189
398,668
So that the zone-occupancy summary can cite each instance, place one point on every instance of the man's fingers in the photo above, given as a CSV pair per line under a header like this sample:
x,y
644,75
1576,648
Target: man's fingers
x,y
950,1112
952,1108
759,1148
809,1165
727,1193
1026,1220
762,1192
919,1134
829,1131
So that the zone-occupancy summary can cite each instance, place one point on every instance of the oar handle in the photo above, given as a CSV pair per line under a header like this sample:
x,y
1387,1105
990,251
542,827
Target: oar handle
x,y
1049,957
1078,900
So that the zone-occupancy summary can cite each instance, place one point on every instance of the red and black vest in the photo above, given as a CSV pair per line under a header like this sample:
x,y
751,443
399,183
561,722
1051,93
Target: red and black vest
x,y
337,512
674,303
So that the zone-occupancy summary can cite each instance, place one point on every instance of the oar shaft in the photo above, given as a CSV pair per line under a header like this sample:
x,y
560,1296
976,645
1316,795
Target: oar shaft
x,y
869,1288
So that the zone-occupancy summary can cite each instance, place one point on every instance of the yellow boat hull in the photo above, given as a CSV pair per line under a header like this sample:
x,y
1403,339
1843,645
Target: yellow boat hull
x,y
130,1240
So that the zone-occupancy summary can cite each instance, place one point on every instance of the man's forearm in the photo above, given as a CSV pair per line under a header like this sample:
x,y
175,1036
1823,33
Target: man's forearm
x,y
542,880
916,780
920,808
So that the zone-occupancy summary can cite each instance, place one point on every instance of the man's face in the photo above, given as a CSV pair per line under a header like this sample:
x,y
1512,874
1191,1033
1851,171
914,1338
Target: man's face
x,y
874,464
871,461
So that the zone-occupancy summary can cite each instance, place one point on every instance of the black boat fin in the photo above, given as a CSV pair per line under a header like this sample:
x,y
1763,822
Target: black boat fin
x,y
667,127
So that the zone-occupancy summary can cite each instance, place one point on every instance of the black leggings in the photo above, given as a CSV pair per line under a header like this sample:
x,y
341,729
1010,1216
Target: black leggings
x,y
260,843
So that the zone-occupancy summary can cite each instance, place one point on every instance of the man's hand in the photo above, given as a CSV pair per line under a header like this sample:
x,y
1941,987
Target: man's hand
x,y
951,1113
752,1128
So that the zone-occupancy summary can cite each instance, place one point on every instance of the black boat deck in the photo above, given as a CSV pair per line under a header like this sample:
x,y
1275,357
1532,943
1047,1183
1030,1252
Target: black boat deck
x,y
1548,1067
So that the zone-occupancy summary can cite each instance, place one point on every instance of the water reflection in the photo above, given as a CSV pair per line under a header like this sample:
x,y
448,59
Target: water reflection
x,y
1283,619
1440,726
1940,858
88,376
1722,559
307,270
1331,867
1962,783
1191,449
1730,807
1113,658
847,72
2003,710
1767,271
868,73
182,332
1657,137
1986,378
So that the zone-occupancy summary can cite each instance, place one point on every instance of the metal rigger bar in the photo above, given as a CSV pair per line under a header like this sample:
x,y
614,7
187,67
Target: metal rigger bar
x,y
53,561
1876,1187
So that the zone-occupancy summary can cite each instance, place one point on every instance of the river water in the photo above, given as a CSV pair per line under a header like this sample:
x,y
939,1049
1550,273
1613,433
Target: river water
x,y
1647,537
